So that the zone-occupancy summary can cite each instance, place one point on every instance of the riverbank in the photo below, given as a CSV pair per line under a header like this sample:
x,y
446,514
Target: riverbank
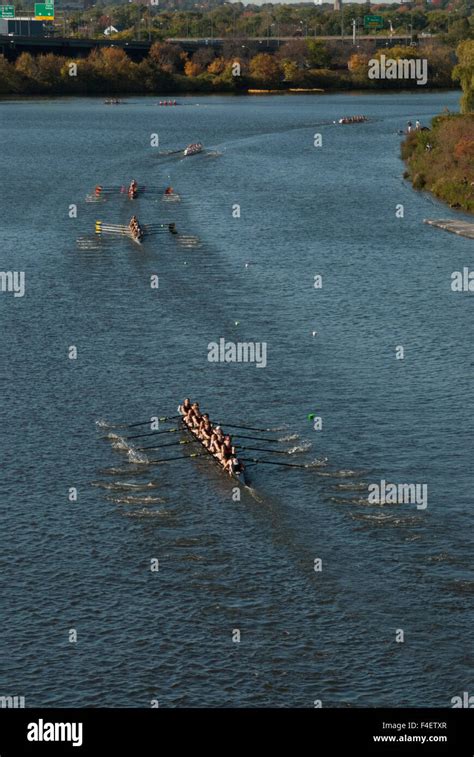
x,y
299,66
441,160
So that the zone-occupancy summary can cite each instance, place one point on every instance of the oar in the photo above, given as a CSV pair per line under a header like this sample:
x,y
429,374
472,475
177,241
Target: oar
x,y
104,225
160,446
182,457
171,227
154,433
256,438
146,423
259,449
245,428
272,462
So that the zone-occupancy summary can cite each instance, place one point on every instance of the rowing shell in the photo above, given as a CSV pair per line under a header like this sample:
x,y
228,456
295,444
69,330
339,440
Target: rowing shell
x,y
239,476
125,231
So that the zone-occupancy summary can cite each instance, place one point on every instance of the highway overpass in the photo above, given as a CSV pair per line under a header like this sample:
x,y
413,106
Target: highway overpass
x,y
71,47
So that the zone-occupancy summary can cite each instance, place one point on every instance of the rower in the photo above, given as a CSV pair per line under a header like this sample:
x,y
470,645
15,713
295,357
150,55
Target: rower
x,y
227,453
185,407
98,190
205,430
169,191
133,189
195,415
217,438
172,228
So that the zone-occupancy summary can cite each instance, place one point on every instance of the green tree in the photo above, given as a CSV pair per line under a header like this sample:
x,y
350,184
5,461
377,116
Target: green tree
x,y
318,55
464,73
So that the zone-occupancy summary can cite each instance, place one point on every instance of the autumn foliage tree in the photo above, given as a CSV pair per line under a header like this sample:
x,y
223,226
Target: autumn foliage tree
x,y
265,70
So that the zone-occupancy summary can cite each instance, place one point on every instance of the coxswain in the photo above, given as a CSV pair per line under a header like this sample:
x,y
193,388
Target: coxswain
x,y
169,191
236,465
226,453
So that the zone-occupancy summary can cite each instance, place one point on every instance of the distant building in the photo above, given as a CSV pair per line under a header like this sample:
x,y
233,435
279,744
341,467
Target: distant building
x,y
337,5
21,27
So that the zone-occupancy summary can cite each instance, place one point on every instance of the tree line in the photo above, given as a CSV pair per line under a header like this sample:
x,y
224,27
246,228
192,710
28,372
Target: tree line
x,y
300,63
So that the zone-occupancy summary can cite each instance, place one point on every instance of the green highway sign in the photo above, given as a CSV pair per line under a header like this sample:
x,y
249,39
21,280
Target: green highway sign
x,y
44,11
373,22
7,11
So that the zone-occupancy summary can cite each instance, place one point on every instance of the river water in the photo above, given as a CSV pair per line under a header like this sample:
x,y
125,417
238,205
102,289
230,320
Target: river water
x,y
387,620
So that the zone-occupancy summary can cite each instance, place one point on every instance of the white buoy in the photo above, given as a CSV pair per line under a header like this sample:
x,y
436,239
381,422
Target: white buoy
x,y
315,333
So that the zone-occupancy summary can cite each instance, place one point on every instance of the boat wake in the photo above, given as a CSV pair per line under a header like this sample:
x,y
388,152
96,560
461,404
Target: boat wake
x,y
304,447
131,500
362,501
88,243
318,463
344,474
145,513
171,198
356,487
121,444
188,241
387,519
125,486
137,457
102,423
119,472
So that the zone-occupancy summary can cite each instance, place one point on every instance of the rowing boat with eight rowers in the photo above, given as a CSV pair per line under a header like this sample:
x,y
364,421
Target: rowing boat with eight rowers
x,y
133,230
213,440
193,149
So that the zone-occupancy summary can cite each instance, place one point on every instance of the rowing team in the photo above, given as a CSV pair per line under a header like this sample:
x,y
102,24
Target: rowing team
x,y
353,119
135,228
212,437
132,190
